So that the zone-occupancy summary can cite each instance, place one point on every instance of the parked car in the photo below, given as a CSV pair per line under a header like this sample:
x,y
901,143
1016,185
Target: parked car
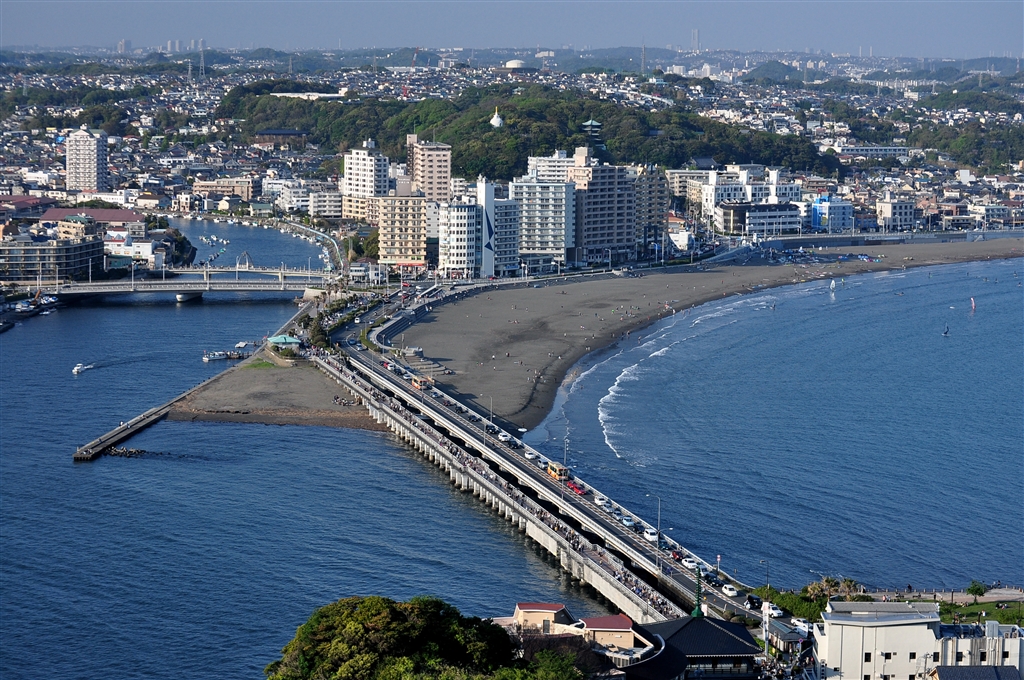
x,y
730,590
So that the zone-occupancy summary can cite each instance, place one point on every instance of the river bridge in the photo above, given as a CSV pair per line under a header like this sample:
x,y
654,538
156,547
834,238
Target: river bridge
x,y
191,282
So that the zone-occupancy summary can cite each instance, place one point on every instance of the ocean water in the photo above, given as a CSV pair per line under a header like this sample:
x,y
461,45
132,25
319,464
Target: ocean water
x,y
201,558
822,432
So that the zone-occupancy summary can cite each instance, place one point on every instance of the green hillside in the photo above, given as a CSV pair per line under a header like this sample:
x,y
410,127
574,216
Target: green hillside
x,y
538,120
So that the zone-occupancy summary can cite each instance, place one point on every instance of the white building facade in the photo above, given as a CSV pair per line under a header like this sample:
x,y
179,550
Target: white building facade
x,y
86,160
904,641
547,218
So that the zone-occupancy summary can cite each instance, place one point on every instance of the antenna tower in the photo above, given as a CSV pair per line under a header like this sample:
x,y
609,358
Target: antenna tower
x,y
202,64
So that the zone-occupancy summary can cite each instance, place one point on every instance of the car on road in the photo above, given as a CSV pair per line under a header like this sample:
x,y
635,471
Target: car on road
x,y
690,563
490,429
600,500
627,521
576,488
802,625
730,590
472,417
607,507
753,602
651,535
530,455
713,580
504,437
774,611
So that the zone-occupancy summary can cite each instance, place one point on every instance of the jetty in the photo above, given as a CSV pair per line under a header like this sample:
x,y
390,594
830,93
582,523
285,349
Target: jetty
x,y
126,430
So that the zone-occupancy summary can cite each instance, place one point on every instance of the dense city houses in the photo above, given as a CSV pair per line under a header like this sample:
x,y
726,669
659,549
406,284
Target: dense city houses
x,y
569,210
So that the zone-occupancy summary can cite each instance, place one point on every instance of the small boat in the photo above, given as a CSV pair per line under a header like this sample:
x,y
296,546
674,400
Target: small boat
x,y
945,333
832,286
81,367
241,345
213,356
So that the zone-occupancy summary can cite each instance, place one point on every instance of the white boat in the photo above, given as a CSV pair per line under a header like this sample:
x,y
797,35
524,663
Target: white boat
x,y
81,367
241,345
213,356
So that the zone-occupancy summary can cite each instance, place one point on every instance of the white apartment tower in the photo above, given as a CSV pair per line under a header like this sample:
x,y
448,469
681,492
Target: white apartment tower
x,y
86,160
499,226
366,175
547,219
430,167
553,168
459,244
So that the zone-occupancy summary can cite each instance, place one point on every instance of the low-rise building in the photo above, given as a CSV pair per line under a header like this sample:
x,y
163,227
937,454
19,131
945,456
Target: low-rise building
x,y
25,259
906,640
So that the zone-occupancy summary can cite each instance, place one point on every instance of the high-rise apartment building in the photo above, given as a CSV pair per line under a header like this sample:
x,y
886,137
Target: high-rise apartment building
x,y
553,168
605,210
460,238
547,220
402,229
499,225
430,167
653,200
86,160
366,176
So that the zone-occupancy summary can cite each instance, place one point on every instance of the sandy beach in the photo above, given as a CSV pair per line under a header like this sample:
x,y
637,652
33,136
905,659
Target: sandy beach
x,y
513,347
255,392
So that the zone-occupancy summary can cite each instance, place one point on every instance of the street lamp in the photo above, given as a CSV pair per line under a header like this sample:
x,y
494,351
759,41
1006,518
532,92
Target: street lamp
x,y
767,583
659,516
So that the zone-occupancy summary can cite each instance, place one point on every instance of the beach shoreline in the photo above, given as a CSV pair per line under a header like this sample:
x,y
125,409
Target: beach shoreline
x,y
504,347
512,348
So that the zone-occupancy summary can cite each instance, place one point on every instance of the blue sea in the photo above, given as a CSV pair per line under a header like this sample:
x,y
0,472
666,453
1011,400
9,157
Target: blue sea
x,y
201,558
802,431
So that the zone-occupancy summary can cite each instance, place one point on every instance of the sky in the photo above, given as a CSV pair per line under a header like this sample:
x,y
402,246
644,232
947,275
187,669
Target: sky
x,y
912,28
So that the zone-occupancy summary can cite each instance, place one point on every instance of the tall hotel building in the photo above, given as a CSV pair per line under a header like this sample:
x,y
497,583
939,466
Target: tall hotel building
x,y
430,167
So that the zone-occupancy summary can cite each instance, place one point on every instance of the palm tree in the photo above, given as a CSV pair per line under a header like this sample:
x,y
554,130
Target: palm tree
x,y
814,590
848,588
829,586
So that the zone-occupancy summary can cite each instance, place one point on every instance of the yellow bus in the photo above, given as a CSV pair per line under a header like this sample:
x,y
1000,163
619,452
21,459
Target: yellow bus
x,y
422,382
558,471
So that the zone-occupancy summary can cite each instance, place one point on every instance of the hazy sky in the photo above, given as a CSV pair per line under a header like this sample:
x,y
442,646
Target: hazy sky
x,y
960,28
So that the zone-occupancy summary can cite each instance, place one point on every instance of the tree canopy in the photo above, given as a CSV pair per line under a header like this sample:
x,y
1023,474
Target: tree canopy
x,y
538,120
375,638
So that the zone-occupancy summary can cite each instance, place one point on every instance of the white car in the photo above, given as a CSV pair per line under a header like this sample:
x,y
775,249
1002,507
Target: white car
x,y
802,625
690,563
774,611
651,534
504,437
627,521
600,500
730,590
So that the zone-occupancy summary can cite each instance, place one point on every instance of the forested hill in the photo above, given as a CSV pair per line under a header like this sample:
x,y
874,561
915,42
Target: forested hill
x,y
538,120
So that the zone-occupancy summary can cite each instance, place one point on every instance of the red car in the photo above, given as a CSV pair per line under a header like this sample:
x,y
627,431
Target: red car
x,y
576,488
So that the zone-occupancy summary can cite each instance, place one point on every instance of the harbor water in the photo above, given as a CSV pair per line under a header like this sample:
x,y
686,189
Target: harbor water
x,y
202,557
873,431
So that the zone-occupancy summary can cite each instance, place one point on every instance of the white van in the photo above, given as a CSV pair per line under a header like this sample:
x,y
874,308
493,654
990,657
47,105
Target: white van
x,y
651,534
